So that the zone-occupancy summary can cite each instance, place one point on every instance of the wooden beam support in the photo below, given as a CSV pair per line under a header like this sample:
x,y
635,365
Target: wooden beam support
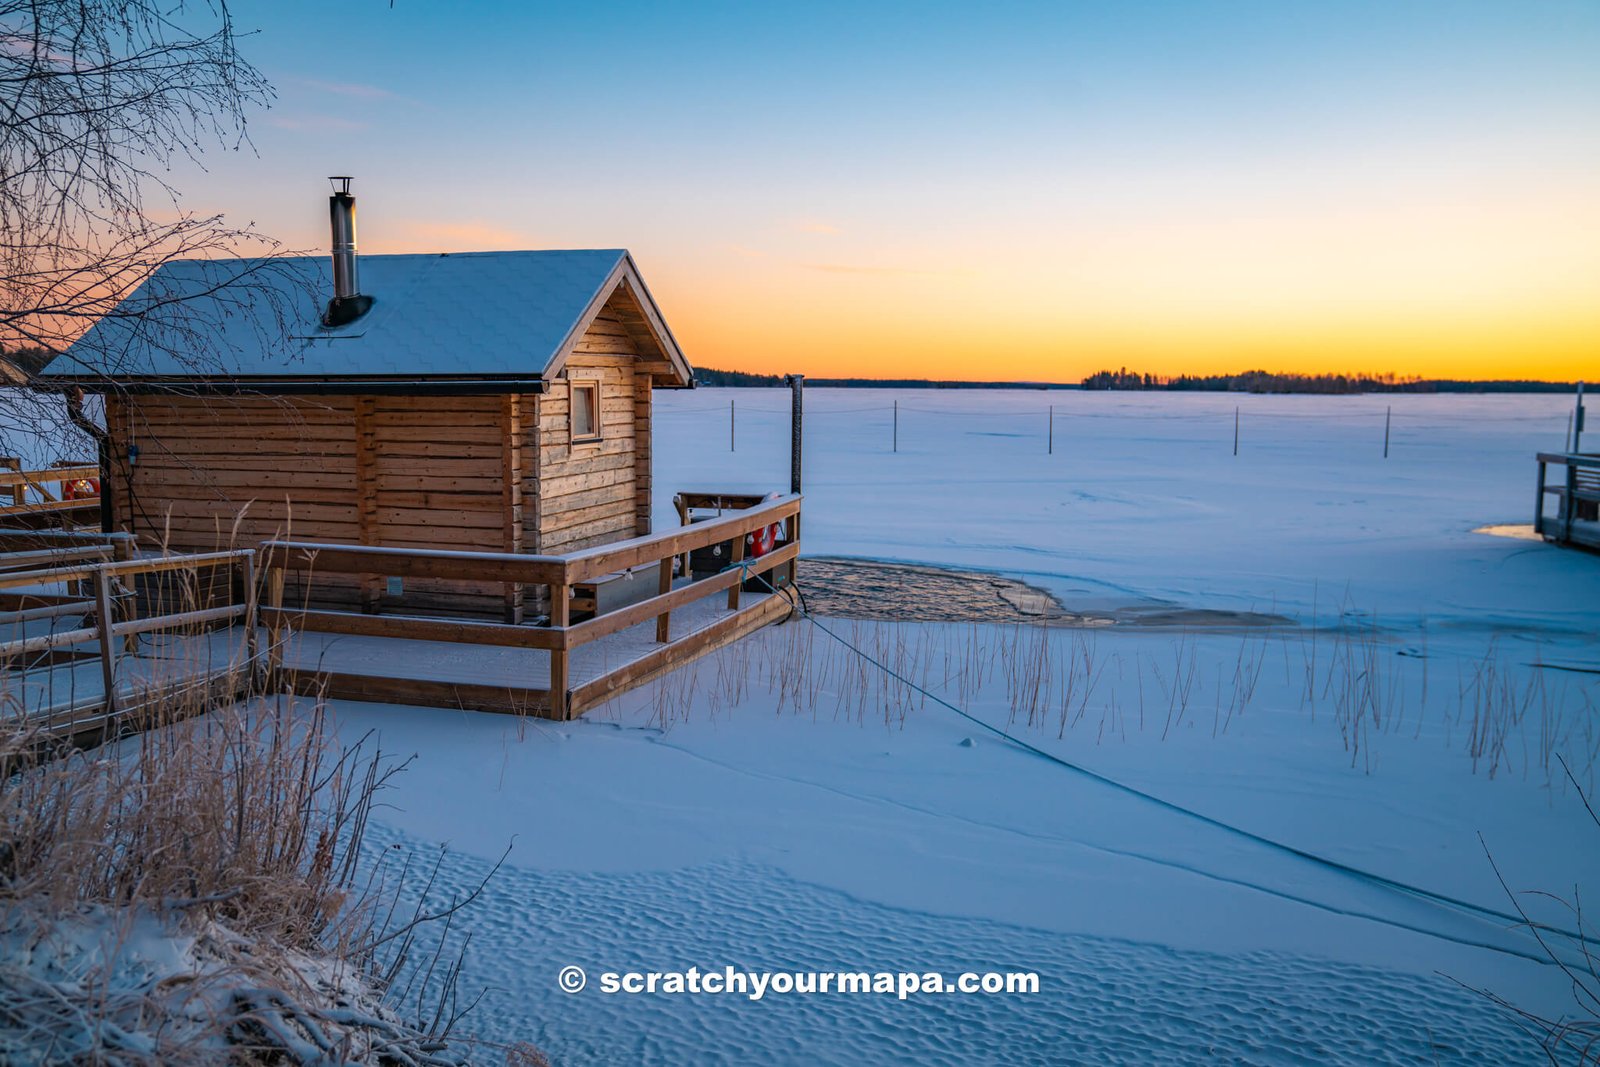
x,y
417,692
416,562
560,617
367,494
511,446
663,587
414,628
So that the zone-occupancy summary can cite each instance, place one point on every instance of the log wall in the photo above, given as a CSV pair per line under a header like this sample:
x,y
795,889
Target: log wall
x,y
591,493
480,473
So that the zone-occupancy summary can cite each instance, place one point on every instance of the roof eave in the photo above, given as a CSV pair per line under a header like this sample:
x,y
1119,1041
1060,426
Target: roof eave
x,y
625,275
297,385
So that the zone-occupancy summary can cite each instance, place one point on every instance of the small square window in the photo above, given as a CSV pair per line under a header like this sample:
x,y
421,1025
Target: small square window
x,y
586,411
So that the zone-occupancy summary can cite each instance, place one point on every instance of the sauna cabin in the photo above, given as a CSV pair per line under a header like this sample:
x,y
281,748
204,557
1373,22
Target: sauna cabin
x,y
482,401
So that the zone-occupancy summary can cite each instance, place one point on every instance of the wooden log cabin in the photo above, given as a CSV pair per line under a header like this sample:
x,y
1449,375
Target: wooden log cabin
x,y
484,401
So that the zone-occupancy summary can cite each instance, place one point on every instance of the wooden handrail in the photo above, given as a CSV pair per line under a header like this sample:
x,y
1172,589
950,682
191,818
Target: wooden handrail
x,y
413,562
12,539
623,555
1571,459
522,569
151,565
633,614
14,479
105,629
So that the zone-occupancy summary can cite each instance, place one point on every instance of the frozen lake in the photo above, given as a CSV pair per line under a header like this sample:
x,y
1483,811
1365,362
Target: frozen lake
x,y
1267,848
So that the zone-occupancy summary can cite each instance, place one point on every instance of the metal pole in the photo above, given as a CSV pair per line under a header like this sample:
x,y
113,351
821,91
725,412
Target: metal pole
x,y
1050,434
797,388
1236,431
897,425
730,426
1577,422
1538,502
1388,412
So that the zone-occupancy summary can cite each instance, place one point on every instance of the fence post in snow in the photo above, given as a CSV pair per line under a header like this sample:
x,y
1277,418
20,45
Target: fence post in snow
x,y
1050,436
730,426
897,425
1388,413
1236,431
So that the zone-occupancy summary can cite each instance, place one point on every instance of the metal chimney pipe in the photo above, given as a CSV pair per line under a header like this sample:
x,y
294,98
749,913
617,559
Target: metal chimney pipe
x,y
342,220
347,304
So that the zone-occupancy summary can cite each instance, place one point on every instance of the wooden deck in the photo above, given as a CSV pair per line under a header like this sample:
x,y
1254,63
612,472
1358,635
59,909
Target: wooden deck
x,y
556,667
1574,489
508,679
92,645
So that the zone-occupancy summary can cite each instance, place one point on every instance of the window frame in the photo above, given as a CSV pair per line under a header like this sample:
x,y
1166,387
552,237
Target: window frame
x,y
574,387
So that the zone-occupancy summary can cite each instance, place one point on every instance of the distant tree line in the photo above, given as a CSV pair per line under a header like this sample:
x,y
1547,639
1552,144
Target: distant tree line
x,y
29,359
1255,381
1260,381
730,378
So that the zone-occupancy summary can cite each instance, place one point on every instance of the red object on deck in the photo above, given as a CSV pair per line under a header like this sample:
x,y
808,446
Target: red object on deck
x,y
80,489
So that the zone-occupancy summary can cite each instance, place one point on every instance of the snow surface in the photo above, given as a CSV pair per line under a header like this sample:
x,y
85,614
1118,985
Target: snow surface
x,y
780,806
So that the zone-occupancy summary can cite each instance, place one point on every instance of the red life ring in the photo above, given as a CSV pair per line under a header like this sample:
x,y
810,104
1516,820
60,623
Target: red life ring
x,y
762,541
80,489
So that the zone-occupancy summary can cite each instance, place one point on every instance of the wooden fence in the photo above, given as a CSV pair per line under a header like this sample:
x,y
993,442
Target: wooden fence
x,y
1577,495
44,496
42,585
564,696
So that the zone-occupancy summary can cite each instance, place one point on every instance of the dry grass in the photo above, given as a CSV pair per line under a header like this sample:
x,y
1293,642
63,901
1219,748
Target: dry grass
x,y
1507,716
196,894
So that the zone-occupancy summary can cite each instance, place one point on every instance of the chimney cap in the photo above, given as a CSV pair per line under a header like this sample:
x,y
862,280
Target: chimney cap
x,y
341,183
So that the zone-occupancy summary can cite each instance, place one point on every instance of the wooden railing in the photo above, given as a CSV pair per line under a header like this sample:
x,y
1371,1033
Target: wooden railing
x,y
44,495
84,581
559,636
1577,496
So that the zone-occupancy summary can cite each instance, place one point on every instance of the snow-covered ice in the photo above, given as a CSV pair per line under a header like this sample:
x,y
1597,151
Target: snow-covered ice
x,y
1406,726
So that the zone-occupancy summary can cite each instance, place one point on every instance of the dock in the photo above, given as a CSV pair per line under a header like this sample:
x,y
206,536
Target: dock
x,y
1573,487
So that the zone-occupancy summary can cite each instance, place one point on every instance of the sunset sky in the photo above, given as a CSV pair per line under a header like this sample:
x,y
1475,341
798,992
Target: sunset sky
x,y
990,191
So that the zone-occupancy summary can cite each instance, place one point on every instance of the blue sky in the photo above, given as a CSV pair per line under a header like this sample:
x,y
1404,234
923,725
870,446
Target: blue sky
x,y
1173,184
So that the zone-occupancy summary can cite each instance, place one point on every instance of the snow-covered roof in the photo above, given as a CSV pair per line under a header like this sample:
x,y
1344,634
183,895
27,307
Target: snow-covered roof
x,y
507,316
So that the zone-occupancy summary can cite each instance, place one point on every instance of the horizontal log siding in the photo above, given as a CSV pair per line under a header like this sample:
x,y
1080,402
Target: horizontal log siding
x,y
216,472
230,472
589,493
234,471
438,464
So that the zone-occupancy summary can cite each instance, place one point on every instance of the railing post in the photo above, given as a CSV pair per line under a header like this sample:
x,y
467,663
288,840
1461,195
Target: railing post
x,y
1538,502
1568,503
108,650
275,576
663,587
560,616
737,546
252,643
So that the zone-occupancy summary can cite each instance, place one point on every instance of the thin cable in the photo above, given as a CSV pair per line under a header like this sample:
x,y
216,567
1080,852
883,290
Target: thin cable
x,y
1346,869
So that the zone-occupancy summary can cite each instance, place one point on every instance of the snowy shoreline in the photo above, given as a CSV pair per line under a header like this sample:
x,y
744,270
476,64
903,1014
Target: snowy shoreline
x,y
782,803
